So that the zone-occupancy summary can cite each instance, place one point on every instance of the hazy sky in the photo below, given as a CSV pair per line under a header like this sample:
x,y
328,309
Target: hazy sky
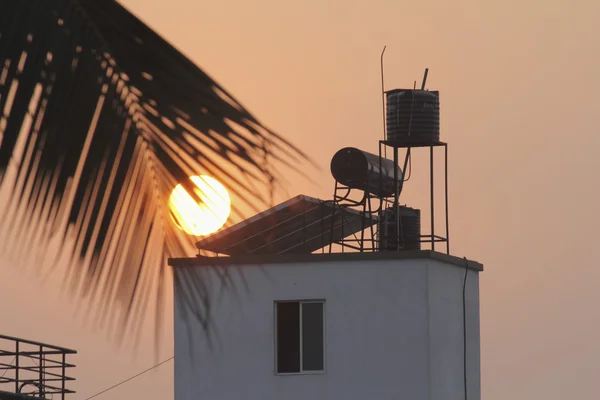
x,y
518,84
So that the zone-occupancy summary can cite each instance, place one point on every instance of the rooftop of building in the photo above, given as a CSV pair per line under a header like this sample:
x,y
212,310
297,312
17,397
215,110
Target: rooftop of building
x,y
261,259
305,229
17,396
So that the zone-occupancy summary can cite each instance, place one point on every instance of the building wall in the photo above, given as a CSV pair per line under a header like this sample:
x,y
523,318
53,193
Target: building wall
x,y
446,338
393,330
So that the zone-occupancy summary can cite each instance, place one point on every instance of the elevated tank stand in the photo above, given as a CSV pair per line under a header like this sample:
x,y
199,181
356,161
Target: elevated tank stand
x,y
432,238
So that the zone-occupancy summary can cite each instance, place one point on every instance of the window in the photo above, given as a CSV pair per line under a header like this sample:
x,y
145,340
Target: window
x,y
299,336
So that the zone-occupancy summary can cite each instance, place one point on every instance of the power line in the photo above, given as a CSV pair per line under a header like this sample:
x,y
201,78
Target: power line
x,y
133,377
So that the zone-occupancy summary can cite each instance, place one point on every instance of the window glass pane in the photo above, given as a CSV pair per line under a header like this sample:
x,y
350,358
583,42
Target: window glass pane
x,y
288,337
312,336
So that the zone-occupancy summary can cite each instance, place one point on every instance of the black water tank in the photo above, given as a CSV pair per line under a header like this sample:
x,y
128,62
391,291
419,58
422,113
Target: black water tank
x,y
413,117
409,232
365,171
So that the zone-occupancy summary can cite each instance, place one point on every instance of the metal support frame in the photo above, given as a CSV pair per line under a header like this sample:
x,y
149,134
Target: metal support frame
x,y
35,365
432,237
364,206
369,243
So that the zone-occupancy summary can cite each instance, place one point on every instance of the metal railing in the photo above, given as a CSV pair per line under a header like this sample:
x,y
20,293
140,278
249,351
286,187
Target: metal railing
x,y
34,369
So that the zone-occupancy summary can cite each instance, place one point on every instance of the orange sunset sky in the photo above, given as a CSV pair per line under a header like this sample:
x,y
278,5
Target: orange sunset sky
x,y
519,86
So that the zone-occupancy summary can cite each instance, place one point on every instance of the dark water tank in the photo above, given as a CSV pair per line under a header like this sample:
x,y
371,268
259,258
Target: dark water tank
x,y
409,232
413,117
365,171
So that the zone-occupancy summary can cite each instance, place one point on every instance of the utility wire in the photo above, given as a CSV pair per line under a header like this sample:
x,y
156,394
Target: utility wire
x,y
129,379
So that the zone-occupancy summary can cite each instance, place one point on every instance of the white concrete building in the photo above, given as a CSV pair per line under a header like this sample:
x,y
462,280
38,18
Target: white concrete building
x,y
384,321
352,326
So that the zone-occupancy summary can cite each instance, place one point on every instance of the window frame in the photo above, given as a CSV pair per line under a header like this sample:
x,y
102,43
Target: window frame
x,y
300,301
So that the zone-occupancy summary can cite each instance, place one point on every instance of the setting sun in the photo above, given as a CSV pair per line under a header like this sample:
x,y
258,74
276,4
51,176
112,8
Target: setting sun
x,y
200,219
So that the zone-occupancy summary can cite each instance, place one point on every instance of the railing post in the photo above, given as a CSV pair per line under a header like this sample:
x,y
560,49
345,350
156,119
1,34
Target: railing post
x,y
64,373
41,374
17,367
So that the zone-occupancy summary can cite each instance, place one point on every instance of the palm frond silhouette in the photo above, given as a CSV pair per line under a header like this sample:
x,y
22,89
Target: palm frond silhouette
x,y
99,119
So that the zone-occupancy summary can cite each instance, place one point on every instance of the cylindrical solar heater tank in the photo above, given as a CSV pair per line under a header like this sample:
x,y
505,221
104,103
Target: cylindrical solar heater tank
x,y
412,117
408,236
365,171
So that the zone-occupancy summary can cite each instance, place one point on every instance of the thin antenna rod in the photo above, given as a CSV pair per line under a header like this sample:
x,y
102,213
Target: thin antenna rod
x,y
383,91
424,79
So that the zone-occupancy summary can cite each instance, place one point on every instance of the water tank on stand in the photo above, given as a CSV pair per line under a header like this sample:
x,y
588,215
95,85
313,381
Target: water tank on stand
x,y
413,117
409,233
